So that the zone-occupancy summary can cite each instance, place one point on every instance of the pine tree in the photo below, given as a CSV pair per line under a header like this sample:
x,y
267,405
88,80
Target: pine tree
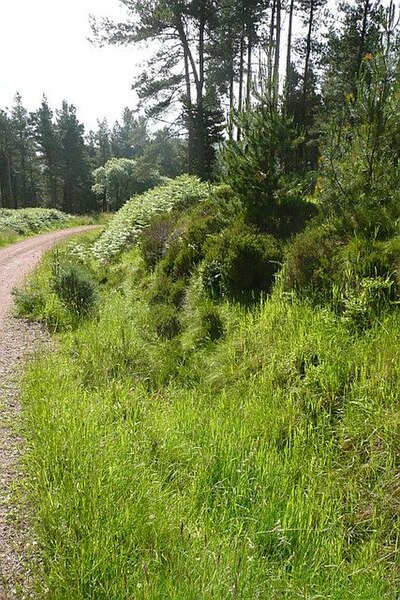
x,y
75,167
49,149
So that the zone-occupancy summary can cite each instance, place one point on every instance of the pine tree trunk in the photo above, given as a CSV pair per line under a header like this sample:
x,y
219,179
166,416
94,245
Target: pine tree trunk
x,y
249,57
277,51
289,44
307,59
201,132
241,78
361,49
189,109
231,97
271,48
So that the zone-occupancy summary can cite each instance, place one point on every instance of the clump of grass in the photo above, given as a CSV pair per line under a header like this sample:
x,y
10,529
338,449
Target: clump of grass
x,y
7,236
75,287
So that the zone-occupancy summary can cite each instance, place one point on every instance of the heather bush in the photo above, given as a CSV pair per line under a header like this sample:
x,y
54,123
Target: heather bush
x,y
241,263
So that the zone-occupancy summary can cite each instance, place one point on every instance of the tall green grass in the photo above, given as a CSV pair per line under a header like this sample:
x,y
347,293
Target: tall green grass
x,y
264,465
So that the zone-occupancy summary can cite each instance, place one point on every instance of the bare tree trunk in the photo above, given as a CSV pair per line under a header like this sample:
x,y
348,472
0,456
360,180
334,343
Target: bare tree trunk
x,y
250,40
308,56
271,48
277,51
201,131
189,109
249,70
241,78
289,43
231,97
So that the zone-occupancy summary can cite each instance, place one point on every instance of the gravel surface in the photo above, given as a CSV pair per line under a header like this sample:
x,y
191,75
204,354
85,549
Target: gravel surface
x,y
17,339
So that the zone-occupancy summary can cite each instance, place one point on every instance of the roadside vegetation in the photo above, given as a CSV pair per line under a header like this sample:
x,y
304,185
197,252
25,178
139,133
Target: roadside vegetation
x,y
220,416
18,224
214,451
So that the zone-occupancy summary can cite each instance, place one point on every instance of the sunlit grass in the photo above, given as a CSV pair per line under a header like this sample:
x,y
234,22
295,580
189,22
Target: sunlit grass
x,y
261,466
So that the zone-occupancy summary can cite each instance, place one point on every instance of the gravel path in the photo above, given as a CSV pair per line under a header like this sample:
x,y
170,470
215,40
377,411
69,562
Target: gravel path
x,y
17,339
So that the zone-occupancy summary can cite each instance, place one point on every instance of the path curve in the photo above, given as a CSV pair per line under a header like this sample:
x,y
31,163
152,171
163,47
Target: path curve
x,y
18,259
17,339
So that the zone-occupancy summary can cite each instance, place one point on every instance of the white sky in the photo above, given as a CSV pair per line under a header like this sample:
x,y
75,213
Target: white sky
x,y
44,49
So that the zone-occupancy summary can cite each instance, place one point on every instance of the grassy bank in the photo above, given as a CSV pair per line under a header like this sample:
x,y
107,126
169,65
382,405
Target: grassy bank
x,y
263,464
16,225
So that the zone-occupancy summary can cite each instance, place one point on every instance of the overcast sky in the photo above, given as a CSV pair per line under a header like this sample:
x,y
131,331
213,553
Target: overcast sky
x,y
44,49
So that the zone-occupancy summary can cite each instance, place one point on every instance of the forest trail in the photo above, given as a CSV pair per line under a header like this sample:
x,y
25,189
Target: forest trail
x,y
17,339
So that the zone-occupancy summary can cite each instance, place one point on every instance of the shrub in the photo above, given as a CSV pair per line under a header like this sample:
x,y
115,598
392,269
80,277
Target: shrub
x,y
125,228
241,262
166,291
153,239
212,327
75,287
25,221
310,262
30,301
184,249
366,300
358,275
166,321
370,258
292,215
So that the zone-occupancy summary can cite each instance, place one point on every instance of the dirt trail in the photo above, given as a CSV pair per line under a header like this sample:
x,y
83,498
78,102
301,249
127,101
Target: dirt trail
x,y
17,339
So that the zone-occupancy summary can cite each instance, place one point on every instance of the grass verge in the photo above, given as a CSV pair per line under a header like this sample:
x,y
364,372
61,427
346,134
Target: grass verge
x,y
261,465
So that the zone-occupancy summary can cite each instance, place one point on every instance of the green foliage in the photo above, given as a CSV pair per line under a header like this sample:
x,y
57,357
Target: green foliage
x,y
165,319
359,277
166,290
184,246
125,228
241,263
8,236
365,300
154,238
26,221
212,326
120,179
37,299
263,463
361,179
75,287
310,262
255,163
30,301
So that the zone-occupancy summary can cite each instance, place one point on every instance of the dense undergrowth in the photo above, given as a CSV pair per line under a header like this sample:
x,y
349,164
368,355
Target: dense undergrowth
x,y
184,445
263,464
221,416
17,224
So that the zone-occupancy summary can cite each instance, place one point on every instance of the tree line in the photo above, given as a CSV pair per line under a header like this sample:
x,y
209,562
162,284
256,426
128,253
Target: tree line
x,y
213,66
46,159
212,59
